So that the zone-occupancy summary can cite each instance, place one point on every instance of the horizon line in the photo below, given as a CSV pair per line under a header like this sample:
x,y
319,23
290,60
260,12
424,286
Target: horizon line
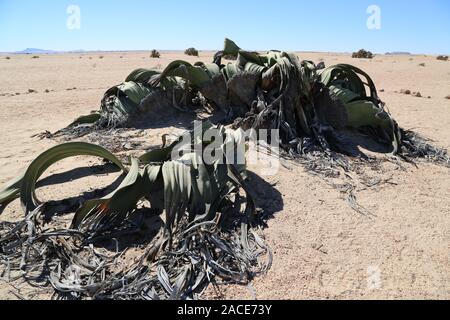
x,y
81,51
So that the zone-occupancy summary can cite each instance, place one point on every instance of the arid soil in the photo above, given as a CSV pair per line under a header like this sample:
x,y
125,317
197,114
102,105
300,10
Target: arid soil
x,y
322,248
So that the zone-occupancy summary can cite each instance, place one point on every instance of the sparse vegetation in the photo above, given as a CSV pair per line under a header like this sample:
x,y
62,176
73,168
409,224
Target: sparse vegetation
x,y
211,225
191,52
155,54
442,58
422,64
362,54
35,57
8,58
413,93
101,57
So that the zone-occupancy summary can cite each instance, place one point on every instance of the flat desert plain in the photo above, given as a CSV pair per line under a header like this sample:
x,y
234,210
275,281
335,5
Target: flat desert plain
x,y
322,248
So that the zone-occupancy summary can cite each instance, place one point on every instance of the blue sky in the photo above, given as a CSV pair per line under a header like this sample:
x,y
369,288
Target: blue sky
x,y
418,26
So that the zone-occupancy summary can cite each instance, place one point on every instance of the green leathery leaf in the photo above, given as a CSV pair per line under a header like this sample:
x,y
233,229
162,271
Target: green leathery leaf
x,y
197,75
114,206
364,113
207,189
10,192
254,68
141,75
134,91
230,48
119,102
177,177
230,70
152,175
46,159
344,95
157,155
211,68
348,77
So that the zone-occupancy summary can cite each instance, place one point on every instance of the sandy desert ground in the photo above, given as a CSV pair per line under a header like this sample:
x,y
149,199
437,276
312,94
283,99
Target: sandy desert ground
x,y
322,248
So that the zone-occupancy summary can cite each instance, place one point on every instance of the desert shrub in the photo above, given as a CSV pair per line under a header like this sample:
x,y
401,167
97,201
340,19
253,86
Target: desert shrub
x,y
35,57
101,57
442,58
362,54
191,52
7,58
155,54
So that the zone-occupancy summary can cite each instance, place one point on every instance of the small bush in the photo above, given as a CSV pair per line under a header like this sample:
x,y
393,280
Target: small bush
x,y
362,54
35,57
101,57
191,52
8,58
155,54
421,64
442,58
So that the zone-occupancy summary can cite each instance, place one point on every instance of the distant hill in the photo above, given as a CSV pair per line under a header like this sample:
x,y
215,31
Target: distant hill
x,y
398,53
35,51
44,51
